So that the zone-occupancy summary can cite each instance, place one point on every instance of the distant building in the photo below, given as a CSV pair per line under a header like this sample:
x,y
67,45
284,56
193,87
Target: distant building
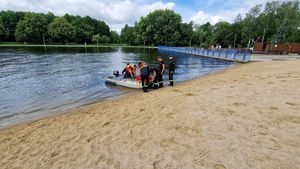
x,y
279,48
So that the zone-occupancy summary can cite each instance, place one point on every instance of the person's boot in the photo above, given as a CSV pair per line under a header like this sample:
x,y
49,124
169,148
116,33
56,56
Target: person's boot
x,y
161,85
155,86
145,90
171,84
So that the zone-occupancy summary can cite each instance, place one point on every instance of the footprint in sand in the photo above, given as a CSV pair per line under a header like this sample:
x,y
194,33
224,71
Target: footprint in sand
x,y
105,124
230,112
239,104
291,103
292,119
53,154
273,108
189,94
219,166
176,91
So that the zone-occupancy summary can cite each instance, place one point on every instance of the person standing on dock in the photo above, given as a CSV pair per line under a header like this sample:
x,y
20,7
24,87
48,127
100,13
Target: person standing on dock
x,y
162,67
172,65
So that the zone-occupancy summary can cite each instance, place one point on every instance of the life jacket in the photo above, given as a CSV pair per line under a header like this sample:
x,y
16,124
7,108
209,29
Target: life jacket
x,y
133,69
130,68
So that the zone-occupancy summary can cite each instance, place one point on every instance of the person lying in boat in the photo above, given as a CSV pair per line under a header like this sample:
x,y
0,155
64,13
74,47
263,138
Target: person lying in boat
x,y
129,71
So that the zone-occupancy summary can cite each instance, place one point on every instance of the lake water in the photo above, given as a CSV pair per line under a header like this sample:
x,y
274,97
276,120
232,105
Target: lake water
x,y
36,82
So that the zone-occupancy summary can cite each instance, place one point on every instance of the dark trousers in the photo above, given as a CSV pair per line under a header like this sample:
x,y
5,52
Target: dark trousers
x,y
127,75
171,79
145,78
160,80
155,81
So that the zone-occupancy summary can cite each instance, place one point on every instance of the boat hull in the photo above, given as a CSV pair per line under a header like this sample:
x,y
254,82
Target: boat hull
x,y
129,83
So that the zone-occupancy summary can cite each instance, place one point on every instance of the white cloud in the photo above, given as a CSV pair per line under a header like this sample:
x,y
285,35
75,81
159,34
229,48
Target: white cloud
x,y
116,13
202,17
237,7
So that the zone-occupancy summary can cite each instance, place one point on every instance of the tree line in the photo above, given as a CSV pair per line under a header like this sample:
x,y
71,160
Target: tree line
x,y
277,22
274,22
41,28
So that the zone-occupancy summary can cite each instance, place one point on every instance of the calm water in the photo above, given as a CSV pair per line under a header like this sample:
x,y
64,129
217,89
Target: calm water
x,y
35,82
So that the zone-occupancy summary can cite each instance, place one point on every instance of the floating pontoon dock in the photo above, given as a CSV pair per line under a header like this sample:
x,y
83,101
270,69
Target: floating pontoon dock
x,y
230,55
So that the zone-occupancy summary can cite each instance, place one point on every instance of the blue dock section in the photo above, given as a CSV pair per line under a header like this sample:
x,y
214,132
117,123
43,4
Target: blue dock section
x,y
230,55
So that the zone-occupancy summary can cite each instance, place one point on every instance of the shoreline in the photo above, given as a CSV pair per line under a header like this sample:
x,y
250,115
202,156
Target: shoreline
x,y
242,117
110,98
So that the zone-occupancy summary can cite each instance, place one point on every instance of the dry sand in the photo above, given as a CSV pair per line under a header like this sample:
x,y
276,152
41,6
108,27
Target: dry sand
x,y
245,117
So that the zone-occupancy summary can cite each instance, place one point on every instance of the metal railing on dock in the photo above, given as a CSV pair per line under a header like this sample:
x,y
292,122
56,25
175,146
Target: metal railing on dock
x,y
230,55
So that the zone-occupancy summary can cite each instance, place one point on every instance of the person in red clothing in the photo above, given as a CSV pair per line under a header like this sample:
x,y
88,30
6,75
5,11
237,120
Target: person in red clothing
x,y
129,71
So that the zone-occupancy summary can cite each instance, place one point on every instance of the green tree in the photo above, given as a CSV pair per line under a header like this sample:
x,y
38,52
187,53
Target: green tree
x,y
186,33
69,18
251,28
101,28
96,38
235,31
50,17
84,30
33,28
290,24
60,30
160,27
105,39
114,36
222,34
204,34
1,29
10,20
127,35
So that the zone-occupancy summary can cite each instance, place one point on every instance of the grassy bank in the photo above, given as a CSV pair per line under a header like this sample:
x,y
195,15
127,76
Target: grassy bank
x,y
13,44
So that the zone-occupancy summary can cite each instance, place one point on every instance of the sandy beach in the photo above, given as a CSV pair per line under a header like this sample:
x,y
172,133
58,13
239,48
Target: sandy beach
x,y
244,117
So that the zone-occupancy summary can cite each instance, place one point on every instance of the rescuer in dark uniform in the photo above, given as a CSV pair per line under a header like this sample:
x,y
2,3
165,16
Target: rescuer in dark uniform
x,y
145,75
172,65
162,67
156,73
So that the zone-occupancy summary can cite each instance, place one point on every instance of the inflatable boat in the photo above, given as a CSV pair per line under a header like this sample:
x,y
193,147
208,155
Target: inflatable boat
x,y
120,81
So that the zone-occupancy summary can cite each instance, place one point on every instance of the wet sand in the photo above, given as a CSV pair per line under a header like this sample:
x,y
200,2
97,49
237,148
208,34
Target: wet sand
x,y
244,117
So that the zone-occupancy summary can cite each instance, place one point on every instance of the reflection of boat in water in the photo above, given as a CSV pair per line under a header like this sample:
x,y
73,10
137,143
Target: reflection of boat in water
x,y
126,82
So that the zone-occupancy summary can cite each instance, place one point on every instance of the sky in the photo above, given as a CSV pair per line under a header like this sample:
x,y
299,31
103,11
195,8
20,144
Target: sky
x,y
117,13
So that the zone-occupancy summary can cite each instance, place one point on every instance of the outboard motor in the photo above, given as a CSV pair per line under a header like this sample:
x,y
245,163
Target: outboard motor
x,y
116,73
